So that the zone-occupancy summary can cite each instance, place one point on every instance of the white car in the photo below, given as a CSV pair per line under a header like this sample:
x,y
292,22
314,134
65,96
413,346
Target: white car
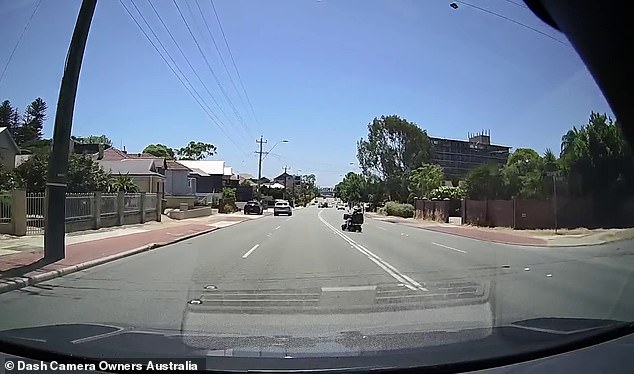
x,y
282,207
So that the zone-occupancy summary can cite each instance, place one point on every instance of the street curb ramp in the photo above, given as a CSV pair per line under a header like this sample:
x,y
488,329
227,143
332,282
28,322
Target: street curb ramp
x,y
15,283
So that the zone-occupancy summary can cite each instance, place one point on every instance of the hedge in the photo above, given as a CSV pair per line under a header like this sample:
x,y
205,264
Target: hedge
x,y
399,210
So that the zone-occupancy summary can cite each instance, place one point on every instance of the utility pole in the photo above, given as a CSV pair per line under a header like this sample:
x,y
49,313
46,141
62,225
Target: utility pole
x,y
261,142
54,224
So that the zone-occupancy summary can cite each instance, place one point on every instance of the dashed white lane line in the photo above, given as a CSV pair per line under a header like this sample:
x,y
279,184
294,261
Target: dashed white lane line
x,y
391,270
448,247
250,251
382,228
277,227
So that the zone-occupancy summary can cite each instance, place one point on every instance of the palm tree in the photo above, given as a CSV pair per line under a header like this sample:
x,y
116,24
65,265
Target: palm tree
x,y
123,183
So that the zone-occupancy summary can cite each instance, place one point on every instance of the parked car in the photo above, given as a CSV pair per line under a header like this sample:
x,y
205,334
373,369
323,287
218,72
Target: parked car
x,y
282,207
253,207
341,206
323,205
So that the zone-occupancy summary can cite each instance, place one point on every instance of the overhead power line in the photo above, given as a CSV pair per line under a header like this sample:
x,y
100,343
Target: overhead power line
x,y
189,63
211,70
515,22
233,84
17,43
178,77
516,3
233,62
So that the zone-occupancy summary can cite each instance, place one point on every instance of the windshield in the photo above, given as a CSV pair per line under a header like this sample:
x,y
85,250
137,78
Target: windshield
x,y
445,169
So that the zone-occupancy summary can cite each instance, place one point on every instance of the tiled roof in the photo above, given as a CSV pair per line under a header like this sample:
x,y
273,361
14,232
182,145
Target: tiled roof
x,y
175,165
129,166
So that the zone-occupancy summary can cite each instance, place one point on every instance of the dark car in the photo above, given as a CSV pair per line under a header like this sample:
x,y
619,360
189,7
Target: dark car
x,y
323,205
253,207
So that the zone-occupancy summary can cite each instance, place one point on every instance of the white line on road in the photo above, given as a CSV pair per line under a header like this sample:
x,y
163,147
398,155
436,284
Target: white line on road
x,y
448,247
277,227
250,251
391,270
382,228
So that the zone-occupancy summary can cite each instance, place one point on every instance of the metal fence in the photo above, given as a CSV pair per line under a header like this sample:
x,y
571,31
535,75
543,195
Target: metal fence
x,y
150,202
109,204
79,206
5,207
131,203
34,213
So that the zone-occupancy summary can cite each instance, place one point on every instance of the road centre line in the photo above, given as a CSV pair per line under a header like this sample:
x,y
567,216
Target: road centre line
x,y
250,251
391,270
448,247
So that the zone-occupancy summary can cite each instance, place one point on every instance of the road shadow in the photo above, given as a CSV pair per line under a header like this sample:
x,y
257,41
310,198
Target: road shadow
x,y
22,269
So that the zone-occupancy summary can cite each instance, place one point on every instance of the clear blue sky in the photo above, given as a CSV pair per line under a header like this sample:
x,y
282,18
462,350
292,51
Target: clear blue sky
x,y
316,73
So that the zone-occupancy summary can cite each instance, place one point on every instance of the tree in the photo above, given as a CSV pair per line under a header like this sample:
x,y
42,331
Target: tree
x,y
227,203
6,178
485,182
85,175
352,188
159,150
32,123
31,174
523,174
425,179
122,183
597,159
393,149
93,139
9,117
197,151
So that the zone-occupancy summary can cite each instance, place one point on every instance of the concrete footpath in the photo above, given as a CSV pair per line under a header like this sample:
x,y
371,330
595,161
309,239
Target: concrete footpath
x,y
22,262
504,235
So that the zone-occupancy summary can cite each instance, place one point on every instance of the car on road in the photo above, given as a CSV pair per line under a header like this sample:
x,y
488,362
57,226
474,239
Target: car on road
x,y
253,207
324,204
282,207
341,206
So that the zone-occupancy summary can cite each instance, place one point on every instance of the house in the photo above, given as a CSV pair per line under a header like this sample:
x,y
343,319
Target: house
x,y
177,180
142,171
287,179
209,175
8,148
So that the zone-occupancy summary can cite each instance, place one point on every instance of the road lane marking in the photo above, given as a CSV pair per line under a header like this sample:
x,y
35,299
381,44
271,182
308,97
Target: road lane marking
x,y
448,247
277,227
250,251
391,270
382,228
348,289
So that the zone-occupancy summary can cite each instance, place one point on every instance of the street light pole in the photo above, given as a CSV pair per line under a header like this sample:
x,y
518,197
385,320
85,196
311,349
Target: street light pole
x,y
55,217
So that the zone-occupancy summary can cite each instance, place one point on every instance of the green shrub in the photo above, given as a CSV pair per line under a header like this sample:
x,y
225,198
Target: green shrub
x,y
399,210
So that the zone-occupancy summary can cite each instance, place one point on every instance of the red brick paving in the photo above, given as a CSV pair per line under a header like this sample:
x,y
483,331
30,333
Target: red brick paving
x,y
91,250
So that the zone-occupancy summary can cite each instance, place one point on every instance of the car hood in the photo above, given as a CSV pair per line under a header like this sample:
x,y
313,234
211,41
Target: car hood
x,y
348,349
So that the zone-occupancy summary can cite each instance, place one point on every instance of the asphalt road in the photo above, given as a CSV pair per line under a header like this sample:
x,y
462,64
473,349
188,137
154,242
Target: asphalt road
x,y
303,276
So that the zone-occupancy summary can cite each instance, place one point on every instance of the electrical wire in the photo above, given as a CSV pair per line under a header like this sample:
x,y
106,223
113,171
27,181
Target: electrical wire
x,y
17,43
516,3
178,77
224,93
188,62
233,84
515,22
233,62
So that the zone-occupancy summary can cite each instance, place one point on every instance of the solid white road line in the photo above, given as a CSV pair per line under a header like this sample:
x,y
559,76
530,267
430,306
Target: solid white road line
x,y
391,270
250,251
448,247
